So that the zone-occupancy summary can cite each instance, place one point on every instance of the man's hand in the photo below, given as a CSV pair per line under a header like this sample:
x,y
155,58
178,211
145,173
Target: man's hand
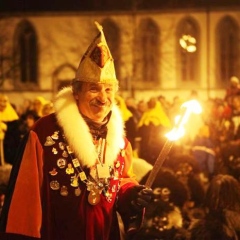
x,y
141,196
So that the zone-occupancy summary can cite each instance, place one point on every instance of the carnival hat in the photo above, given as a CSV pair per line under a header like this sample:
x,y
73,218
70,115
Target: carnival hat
x,y
96,65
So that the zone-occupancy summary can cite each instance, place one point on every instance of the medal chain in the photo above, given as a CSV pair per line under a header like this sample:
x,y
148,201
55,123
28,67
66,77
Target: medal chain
x,y
76,164
81,173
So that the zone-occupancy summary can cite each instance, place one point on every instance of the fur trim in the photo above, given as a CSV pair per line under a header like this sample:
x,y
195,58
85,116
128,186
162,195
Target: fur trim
x,y
77,131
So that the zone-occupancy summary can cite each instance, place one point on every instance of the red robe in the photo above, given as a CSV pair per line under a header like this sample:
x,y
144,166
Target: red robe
x,y
36,208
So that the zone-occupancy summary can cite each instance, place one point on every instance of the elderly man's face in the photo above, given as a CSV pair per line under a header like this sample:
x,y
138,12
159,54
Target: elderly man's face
x,y
95,100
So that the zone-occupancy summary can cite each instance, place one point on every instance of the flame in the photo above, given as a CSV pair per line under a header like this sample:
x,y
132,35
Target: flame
x,y
189,107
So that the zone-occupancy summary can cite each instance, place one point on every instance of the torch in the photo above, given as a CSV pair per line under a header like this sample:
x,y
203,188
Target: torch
x,y
177,132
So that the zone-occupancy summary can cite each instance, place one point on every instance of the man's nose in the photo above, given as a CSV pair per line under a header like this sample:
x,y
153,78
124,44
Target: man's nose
x,y
102,96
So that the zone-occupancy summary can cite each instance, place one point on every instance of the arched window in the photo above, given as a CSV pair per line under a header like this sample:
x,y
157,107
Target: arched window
x,y
25,55
147,60
187,37
62,76
227,43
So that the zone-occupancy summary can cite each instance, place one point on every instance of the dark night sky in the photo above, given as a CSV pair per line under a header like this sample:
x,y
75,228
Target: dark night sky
x,y
93,5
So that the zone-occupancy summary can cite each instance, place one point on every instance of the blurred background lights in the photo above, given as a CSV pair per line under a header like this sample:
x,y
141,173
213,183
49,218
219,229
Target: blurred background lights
x,y
188,43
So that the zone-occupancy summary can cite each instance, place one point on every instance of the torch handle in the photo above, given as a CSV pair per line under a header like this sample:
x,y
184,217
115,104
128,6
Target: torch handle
x,y
157,165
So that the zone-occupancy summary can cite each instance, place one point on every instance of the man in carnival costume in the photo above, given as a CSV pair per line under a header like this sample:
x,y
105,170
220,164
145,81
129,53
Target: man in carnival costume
x,y
74,173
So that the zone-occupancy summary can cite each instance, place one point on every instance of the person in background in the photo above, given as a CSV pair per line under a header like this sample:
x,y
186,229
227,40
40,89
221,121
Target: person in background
x,y
27,120
38,104
203,150
222,211
129,122
232,90
152,127
47,108
9,130
142,106
74,173
132,106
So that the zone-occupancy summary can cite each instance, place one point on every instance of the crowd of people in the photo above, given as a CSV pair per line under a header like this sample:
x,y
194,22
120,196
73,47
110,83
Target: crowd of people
x,y
195,195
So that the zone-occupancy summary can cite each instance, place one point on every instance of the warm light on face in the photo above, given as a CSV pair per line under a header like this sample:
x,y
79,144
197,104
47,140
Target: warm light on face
x,y
178,130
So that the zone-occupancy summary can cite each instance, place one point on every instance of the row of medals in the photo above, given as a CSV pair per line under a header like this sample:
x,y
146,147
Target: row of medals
x,y
101,172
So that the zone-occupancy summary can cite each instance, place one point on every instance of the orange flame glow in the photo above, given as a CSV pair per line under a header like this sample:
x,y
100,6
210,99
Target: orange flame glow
x,y
189,107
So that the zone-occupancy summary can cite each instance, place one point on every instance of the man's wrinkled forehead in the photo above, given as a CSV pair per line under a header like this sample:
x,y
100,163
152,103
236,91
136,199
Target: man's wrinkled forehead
x,y
105,85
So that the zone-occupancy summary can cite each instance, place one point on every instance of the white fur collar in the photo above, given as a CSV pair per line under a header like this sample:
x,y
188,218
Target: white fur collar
x,y
77,132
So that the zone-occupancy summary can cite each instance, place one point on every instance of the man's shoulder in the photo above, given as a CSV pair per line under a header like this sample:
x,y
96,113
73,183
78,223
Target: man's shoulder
x,y
45,122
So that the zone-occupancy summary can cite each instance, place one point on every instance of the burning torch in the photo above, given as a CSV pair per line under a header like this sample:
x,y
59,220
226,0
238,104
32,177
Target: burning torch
x,y
176,133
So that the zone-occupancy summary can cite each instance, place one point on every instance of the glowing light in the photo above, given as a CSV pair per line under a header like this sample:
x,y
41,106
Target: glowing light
x,y
188,43
178,131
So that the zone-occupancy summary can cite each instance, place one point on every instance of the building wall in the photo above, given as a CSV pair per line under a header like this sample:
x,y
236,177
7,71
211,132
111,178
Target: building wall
x,y
63,39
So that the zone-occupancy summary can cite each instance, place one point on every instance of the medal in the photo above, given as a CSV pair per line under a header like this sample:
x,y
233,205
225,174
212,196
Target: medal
x,y
74,181
64,191
61,145
54,150
94,197
82,176
65,154
61,163
77,191
49,141
69,169
53,172
54,185
75,162
55,135
69,150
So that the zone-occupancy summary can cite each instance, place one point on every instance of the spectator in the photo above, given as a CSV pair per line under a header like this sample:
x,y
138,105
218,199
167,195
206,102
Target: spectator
x,y
9,130
129,121
222,211
232,90
152,126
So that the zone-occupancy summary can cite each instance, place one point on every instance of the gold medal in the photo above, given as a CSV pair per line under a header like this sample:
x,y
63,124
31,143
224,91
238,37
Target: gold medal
x,y
61,145
53,172
61,163
94,197
74,181
55,135
82,176
55,151
77,191
54,185
65,154
69,169
64,191
69,150
75,162
49,141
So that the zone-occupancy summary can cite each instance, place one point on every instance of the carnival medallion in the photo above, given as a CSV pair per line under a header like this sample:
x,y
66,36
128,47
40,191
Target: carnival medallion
x,y
54,185
49,141
64,191
94,197
77,191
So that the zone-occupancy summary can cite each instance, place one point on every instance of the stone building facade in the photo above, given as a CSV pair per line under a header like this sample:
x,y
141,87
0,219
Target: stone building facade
x,y
156,52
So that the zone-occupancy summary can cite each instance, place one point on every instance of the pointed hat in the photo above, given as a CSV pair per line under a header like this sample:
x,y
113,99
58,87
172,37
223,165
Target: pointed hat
x,y
97,64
